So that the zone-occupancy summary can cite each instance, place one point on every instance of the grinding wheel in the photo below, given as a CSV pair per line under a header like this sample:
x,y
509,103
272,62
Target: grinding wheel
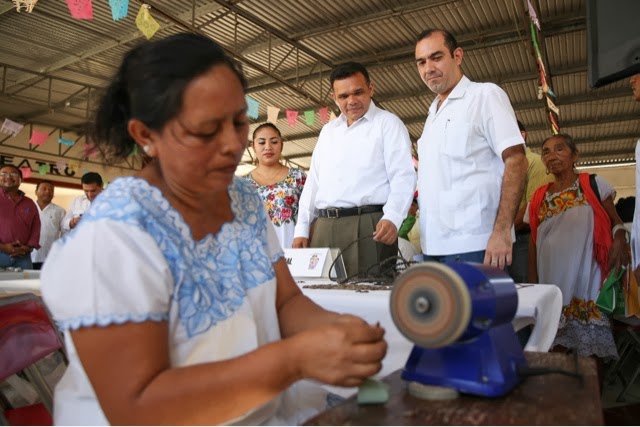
x,y
430,305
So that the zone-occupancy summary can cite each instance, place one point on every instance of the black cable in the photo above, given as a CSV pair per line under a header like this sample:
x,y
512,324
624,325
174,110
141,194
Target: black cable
x,y
385,275
525,371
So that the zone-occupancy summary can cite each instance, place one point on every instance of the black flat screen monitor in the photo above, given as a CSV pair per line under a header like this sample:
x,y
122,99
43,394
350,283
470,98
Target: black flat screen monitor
x,y
613,40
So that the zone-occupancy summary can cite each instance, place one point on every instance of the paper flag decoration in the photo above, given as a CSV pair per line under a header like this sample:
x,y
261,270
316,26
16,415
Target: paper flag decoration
x,y
38,138
552,106
533,14
89,150
27,4
11,128
43,169
119,9
292,117
554,124
73,165
272,114
26,173
145,22
310,117
324,114
80,9
252,107
66,142
61,165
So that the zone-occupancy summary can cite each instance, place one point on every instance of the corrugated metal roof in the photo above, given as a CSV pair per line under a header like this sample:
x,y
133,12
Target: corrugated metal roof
x,y
297,42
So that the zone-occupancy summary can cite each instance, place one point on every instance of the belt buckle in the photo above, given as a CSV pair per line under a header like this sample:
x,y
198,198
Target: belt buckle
x,y
335,213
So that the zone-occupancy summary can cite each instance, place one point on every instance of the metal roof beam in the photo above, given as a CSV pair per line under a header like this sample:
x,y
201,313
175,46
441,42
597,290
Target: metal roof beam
x,y
6,7
28,103
576,99
42,74
579,142
127,38
587,122
506,79
560,101
349,23
531,128
239,57
274,31
468,42
629,153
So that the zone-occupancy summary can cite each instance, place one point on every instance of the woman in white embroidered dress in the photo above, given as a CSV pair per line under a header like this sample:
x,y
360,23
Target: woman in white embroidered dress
x,y
175,301
572,247
279,186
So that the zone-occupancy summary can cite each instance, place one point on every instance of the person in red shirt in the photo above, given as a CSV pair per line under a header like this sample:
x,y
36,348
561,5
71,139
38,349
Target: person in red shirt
x,y
19,221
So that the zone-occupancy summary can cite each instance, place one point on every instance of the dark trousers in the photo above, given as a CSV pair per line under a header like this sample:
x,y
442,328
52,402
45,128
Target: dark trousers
x,y
520,258
361,258
23,262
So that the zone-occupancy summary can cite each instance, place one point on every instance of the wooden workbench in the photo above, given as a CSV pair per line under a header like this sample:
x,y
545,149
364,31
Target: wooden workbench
x,y
551,399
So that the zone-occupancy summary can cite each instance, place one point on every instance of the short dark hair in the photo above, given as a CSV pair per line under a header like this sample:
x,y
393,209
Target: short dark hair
x,y
449,39
266,125
567,140
12,166
44,181
521,126
92,178
348,69
149,86
625,207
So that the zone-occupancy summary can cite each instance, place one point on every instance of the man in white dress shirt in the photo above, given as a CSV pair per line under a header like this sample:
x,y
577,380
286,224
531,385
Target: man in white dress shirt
x,y
361,181
472,161
634,81
50,218
92,186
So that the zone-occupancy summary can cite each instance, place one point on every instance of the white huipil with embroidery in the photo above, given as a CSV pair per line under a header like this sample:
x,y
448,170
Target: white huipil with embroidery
x,y
132,259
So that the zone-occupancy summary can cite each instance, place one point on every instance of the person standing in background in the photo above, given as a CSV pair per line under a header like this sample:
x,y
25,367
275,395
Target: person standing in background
x,y
279,186
50,219
361,179
537,176
576,238
472,160
19,221
92,186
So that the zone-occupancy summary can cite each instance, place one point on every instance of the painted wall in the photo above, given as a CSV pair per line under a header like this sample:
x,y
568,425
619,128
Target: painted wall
x,y
17,150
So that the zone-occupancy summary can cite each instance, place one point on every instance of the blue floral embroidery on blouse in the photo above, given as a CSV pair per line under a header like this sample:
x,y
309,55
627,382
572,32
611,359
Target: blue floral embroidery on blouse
x,y
211,276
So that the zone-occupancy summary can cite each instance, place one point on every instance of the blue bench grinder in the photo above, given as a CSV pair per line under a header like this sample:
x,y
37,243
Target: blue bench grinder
x,y
459,316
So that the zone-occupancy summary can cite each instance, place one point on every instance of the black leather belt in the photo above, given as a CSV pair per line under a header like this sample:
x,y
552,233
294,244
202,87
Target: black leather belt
x,y
342,212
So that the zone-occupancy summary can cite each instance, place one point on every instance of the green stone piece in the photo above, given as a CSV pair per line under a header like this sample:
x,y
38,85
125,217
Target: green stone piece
x,y
372,392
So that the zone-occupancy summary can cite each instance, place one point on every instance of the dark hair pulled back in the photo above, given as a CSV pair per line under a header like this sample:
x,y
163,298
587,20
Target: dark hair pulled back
x,y
149,86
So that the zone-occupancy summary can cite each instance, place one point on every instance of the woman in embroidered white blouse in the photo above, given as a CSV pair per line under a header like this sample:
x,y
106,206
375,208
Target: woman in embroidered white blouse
x,y
183,308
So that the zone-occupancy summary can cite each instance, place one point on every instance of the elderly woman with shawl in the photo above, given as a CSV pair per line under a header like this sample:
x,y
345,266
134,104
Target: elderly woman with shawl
x,y
576,240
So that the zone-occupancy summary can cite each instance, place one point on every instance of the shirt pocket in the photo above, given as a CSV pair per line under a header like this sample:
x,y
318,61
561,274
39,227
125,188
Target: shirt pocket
x,y
456,134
